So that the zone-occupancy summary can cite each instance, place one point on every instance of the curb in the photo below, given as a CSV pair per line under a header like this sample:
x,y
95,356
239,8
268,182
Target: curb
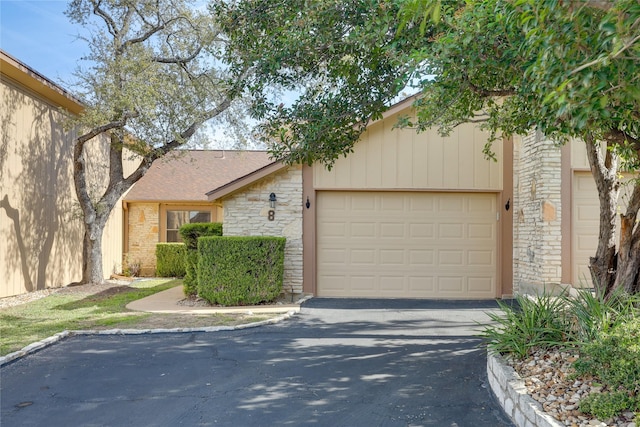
x,y
39,345
512,395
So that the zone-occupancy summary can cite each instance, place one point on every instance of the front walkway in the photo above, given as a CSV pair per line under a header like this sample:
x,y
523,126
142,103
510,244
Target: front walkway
x,y
168,302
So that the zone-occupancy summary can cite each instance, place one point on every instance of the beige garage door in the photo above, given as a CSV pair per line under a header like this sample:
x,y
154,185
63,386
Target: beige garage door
x,y
585,225
586,214
409,245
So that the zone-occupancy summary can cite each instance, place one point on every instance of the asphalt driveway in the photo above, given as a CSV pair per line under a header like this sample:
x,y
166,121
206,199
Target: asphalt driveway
x,y
337,363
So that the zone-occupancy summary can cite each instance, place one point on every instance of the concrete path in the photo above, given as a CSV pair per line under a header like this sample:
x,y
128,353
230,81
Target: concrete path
x,y
167,302
337,363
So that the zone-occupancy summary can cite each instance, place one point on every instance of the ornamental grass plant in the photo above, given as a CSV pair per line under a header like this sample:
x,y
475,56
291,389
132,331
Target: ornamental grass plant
x,y
605,332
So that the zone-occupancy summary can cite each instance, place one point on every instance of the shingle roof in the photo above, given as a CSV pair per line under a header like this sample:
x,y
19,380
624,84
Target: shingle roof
x,y
189,175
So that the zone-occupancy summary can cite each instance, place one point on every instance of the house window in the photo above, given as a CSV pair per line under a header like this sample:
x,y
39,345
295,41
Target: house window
x,y
175,219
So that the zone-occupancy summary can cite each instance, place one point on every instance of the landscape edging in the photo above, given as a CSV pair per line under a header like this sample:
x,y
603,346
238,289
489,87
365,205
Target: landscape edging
x,y
39,345
512,395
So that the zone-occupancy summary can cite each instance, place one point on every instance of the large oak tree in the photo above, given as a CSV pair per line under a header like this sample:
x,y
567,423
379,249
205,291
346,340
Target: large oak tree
x,y
155,76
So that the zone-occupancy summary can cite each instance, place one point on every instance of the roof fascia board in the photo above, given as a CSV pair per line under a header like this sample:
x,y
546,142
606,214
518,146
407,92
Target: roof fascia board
x,y
245,181
31,79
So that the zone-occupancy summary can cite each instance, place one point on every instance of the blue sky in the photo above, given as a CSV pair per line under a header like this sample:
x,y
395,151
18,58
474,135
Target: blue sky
x,y
39,34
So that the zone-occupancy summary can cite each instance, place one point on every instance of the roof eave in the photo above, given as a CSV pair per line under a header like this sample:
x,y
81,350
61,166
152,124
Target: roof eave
x,y
31,79
245,181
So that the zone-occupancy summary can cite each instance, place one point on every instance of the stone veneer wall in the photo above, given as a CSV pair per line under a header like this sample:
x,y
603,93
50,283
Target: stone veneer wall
x,y
144,221
246,214
537,210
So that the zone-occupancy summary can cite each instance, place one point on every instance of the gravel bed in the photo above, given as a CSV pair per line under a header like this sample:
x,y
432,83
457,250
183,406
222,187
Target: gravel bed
x,y
548,378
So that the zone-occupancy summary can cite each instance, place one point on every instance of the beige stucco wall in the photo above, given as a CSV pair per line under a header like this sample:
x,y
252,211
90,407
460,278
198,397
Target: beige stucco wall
x,y
387,158
246,214
40,225
537,260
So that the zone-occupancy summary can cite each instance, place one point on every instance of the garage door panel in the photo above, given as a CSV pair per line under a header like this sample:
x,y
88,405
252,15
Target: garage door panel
x,y
391,250
392,257
419,230
450,231
392,230
480,258
422,205
421,258
479,284
451,258
481,231
364,257
450,204
362,203
451,285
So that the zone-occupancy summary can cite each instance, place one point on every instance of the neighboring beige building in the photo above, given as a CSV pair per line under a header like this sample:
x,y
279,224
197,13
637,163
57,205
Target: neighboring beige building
x,y
172,193
40,225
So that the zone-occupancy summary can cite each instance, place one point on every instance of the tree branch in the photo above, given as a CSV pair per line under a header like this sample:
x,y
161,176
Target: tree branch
x,y
106,127
98,11
178,60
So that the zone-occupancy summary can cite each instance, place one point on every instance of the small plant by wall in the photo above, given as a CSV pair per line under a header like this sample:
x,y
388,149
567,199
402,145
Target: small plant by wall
x,y
190,234
240,270
170,259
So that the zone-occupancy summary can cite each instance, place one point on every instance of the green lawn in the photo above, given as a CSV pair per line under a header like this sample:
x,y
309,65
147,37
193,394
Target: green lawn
x,y
24,324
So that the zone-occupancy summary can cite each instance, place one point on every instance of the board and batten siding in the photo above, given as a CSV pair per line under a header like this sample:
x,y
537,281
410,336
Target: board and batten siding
x,y
387,158
40,223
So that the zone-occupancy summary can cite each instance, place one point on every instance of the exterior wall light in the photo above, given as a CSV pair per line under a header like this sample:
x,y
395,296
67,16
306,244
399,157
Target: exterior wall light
x,y
272,200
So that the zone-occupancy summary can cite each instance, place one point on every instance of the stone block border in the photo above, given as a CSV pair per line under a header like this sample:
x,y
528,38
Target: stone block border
x,y
32,348
512,395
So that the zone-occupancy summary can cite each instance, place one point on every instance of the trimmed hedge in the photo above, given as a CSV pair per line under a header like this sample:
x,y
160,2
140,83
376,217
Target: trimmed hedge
x,y
170,259
240,270
190,234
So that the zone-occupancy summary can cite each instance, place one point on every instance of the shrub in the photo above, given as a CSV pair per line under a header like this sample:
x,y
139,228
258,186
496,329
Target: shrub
x,y
590,314
613,358
533,323
240,270
170,259
190,234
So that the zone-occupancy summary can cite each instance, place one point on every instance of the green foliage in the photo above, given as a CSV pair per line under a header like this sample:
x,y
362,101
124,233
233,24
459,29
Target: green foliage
x,y
170,259
345,74
614,359
528,325
606,334
36,320
607,405
190,233
154,75
240,270
190,282
547,321
590,315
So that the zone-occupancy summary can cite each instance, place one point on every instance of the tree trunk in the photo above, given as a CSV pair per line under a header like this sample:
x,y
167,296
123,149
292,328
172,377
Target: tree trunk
x,y
604,168
92,254
96,213
628,274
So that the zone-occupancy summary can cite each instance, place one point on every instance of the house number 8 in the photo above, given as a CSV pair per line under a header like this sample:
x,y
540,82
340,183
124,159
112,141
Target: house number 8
x,y
272,215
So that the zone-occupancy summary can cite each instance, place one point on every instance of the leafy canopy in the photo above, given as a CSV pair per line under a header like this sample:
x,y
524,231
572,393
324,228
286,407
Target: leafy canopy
x,y
568,68
341,60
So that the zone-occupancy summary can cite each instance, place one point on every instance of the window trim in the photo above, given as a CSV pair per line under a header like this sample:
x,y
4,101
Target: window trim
x,y
164,207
